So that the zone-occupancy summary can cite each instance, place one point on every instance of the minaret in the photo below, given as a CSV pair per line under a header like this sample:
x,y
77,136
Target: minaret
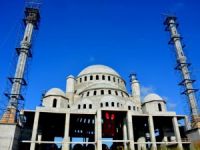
x,y
135,87
183,68
31,20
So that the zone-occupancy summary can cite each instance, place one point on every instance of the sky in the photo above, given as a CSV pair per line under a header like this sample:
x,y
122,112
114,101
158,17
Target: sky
x,y
127,35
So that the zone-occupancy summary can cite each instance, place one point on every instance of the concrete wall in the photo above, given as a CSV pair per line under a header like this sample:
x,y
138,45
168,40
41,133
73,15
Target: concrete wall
x,y
9,136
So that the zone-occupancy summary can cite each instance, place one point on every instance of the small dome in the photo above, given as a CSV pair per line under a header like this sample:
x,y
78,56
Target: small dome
x,y
55,92
95,69
152,97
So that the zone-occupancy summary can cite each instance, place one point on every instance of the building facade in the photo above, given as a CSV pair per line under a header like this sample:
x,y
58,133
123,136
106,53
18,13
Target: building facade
x,y
96,112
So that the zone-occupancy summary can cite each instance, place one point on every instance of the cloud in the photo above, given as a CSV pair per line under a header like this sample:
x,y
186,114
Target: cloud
x,y
147,90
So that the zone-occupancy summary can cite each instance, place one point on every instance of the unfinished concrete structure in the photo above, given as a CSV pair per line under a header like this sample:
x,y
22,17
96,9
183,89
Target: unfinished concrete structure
x,y
97,112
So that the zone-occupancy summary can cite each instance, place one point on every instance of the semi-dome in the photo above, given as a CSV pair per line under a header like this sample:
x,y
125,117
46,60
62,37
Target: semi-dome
x,y
152,97
95,69
55,92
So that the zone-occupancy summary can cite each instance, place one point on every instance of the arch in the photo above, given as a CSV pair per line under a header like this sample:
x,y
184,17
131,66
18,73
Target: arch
x,y
80,80
102,92
85,78
84,106
101,105
79,106
107,104
117,104
113,79
54,102
108,78
88,93
116,93
159,107
103,77
129,107
97,77
90,106
91,77
112,104
109,91
95,93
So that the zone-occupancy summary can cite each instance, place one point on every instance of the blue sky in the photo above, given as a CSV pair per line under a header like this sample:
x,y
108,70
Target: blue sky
x,y
127,35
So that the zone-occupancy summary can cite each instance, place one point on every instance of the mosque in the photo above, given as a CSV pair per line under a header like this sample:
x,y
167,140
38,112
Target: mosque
x,y
97,112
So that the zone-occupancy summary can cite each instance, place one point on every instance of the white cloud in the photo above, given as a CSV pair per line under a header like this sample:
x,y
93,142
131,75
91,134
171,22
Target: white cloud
x,y
147,90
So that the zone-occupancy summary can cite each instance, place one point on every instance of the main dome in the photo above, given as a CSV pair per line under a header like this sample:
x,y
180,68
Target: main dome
x,y
95,69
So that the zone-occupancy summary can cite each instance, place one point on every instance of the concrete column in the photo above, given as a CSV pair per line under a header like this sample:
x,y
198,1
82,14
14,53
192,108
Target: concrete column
x,y
177,133
130,131
35,129
99,130
66,145
152,133
125,134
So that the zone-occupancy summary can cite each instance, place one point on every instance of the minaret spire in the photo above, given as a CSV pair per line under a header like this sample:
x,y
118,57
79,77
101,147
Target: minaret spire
x,y
31,20
183,68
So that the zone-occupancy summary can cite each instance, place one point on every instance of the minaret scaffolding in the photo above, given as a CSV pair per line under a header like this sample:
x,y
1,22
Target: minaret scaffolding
x,y
32,18
183,68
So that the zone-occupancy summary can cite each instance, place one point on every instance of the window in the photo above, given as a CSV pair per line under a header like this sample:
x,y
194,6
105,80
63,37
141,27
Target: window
x,y
113,79
90,106
95,92
122,94
108,78
85,78
91,77
133,107
101,104
102,92
112,104
116,93
129,107
84,106
68,106
97,77
118,80
117,104
79,106
54,102
106,104
80,80
159,107
109,91
103,77
88,93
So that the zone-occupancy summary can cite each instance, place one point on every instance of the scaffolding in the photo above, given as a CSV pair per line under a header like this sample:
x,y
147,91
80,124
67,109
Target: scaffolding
x,y
24,52
183,67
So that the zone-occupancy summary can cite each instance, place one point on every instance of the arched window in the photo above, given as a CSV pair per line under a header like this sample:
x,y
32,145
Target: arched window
x,y
88,93
101,104
97,77
116,93
84,106
95,92
90,106
102,92
68,106
117,104
118,80
122,94
85,78
112,104
113,79
79,106
54,102
159,107
106,104
108,78
103,77
91,77
109,91
129,107
80,80
133,107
